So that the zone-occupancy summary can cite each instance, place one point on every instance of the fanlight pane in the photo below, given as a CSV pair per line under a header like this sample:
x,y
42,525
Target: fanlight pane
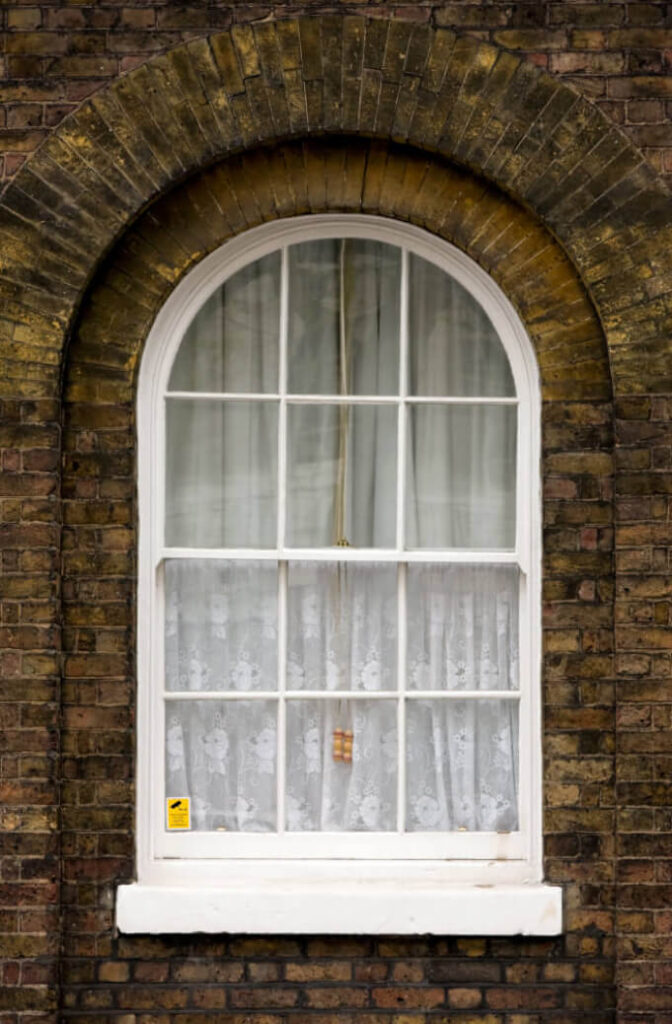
x,y
344,317
454,350
232,342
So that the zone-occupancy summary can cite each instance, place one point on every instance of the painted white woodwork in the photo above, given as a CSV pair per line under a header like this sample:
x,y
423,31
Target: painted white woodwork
x,y
355,907
267,882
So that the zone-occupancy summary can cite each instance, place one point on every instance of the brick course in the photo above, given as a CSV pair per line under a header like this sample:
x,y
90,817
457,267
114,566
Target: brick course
x,y
56,54
67,720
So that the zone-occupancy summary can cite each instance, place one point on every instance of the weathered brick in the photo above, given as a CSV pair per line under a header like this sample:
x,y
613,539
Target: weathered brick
x,y
59,54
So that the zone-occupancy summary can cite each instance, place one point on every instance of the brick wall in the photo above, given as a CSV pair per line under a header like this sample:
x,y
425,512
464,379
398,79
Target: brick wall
x,y
67,725
644,644
381,978
56,54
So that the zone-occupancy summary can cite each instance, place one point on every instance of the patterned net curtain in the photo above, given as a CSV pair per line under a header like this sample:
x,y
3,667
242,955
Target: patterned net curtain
x,y
341,429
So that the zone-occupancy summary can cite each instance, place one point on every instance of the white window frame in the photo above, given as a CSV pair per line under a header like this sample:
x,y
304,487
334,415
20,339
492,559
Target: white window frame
x,y
410,882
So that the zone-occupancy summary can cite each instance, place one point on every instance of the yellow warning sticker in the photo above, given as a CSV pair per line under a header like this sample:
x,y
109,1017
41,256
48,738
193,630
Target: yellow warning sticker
x,y
177,812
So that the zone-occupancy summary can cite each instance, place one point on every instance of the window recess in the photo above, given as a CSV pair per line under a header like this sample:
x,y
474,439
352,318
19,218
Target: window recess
x,y
339,432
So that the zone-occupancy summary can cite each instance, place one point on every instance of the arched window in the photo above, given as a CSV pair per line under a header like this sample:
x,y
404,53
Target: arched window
x,y
339,577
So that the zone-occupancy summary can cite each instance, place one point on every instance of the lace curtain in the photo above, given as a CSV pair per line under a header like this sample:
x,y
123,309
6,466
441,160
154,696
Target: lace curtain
x,y
342,619
221,635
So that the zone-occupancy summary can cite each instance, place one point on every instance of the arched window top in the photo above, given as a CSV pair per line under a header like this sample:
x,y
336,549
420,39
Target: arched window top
x,y
343,327
372,314
232,276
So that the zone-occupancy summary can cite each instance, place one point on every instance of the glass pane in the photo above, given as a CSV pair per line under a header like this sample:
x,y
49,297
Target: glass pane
x,y
462,766
461,476
221,473
341,766
453,347
232,342
462,627
221,625
341,475
222,754
342,626
344,317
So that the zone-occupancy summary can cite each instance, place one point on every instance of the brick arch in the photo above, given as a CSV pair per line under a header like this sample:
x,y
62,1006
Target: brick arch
x,y
341,174
466,100
99,541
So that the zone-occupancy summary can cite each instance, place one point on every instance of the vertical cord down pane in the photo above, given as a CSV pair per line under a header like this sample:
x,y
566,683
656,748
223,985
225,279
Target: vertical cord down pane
x,y
282,566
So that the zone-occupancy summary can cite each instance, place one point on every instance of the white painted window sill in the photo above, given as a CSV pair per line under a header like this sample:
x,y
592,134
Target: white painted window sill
x,y
343,908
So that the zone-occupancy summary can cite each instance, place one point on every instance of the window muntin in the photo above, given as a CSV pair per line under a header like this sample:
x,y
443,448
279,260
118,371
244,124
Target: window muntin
x,y
509,545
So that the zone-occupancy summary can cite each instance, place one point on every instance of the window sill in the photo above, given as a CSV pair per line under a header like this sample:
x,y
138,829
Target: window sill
x,y
342,908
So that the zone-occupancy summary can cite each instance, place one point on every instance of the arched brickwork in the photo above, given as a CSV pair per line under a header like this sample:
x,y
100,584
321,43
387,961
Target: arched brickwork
x,y
468,101
351,175
484,109
99,538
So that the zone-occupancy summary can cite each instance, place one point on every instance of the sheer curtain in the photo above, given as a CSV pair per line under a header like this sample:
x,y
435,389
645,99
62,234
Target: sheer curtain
x,y
343,339
461,458
221,457
222,487
462,754
342,634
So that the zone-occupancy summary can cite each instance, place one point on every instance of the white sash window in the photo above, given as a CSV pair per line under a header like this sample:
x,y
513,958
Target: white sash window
x,y
339,572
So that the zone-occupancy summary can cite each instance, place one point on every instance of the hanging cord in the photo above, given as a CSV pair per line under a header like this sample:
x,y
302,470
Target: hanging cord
x,y
343,410
342,739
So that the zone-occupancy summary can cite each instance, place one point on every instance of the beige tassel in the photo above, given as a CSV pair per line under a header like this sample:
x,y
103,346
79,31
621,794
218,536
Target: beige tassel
x,y
337,748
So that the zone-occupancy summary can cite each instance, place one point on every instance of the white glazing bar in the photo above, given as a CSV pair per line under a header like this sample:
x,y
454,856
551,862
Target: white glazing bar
x,y
245,695
337,399
282,421
403,385
224,695
529,728
282,706
158,707
338,554
400,539
463,694
342,399
155,680
393,399
401,699
458,400
282,566
225,396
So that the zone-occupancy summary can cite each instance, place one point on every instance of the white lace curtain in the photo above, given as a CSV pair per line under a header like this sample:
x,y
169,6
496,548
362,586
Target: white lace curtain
x,y
342,619
221,635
